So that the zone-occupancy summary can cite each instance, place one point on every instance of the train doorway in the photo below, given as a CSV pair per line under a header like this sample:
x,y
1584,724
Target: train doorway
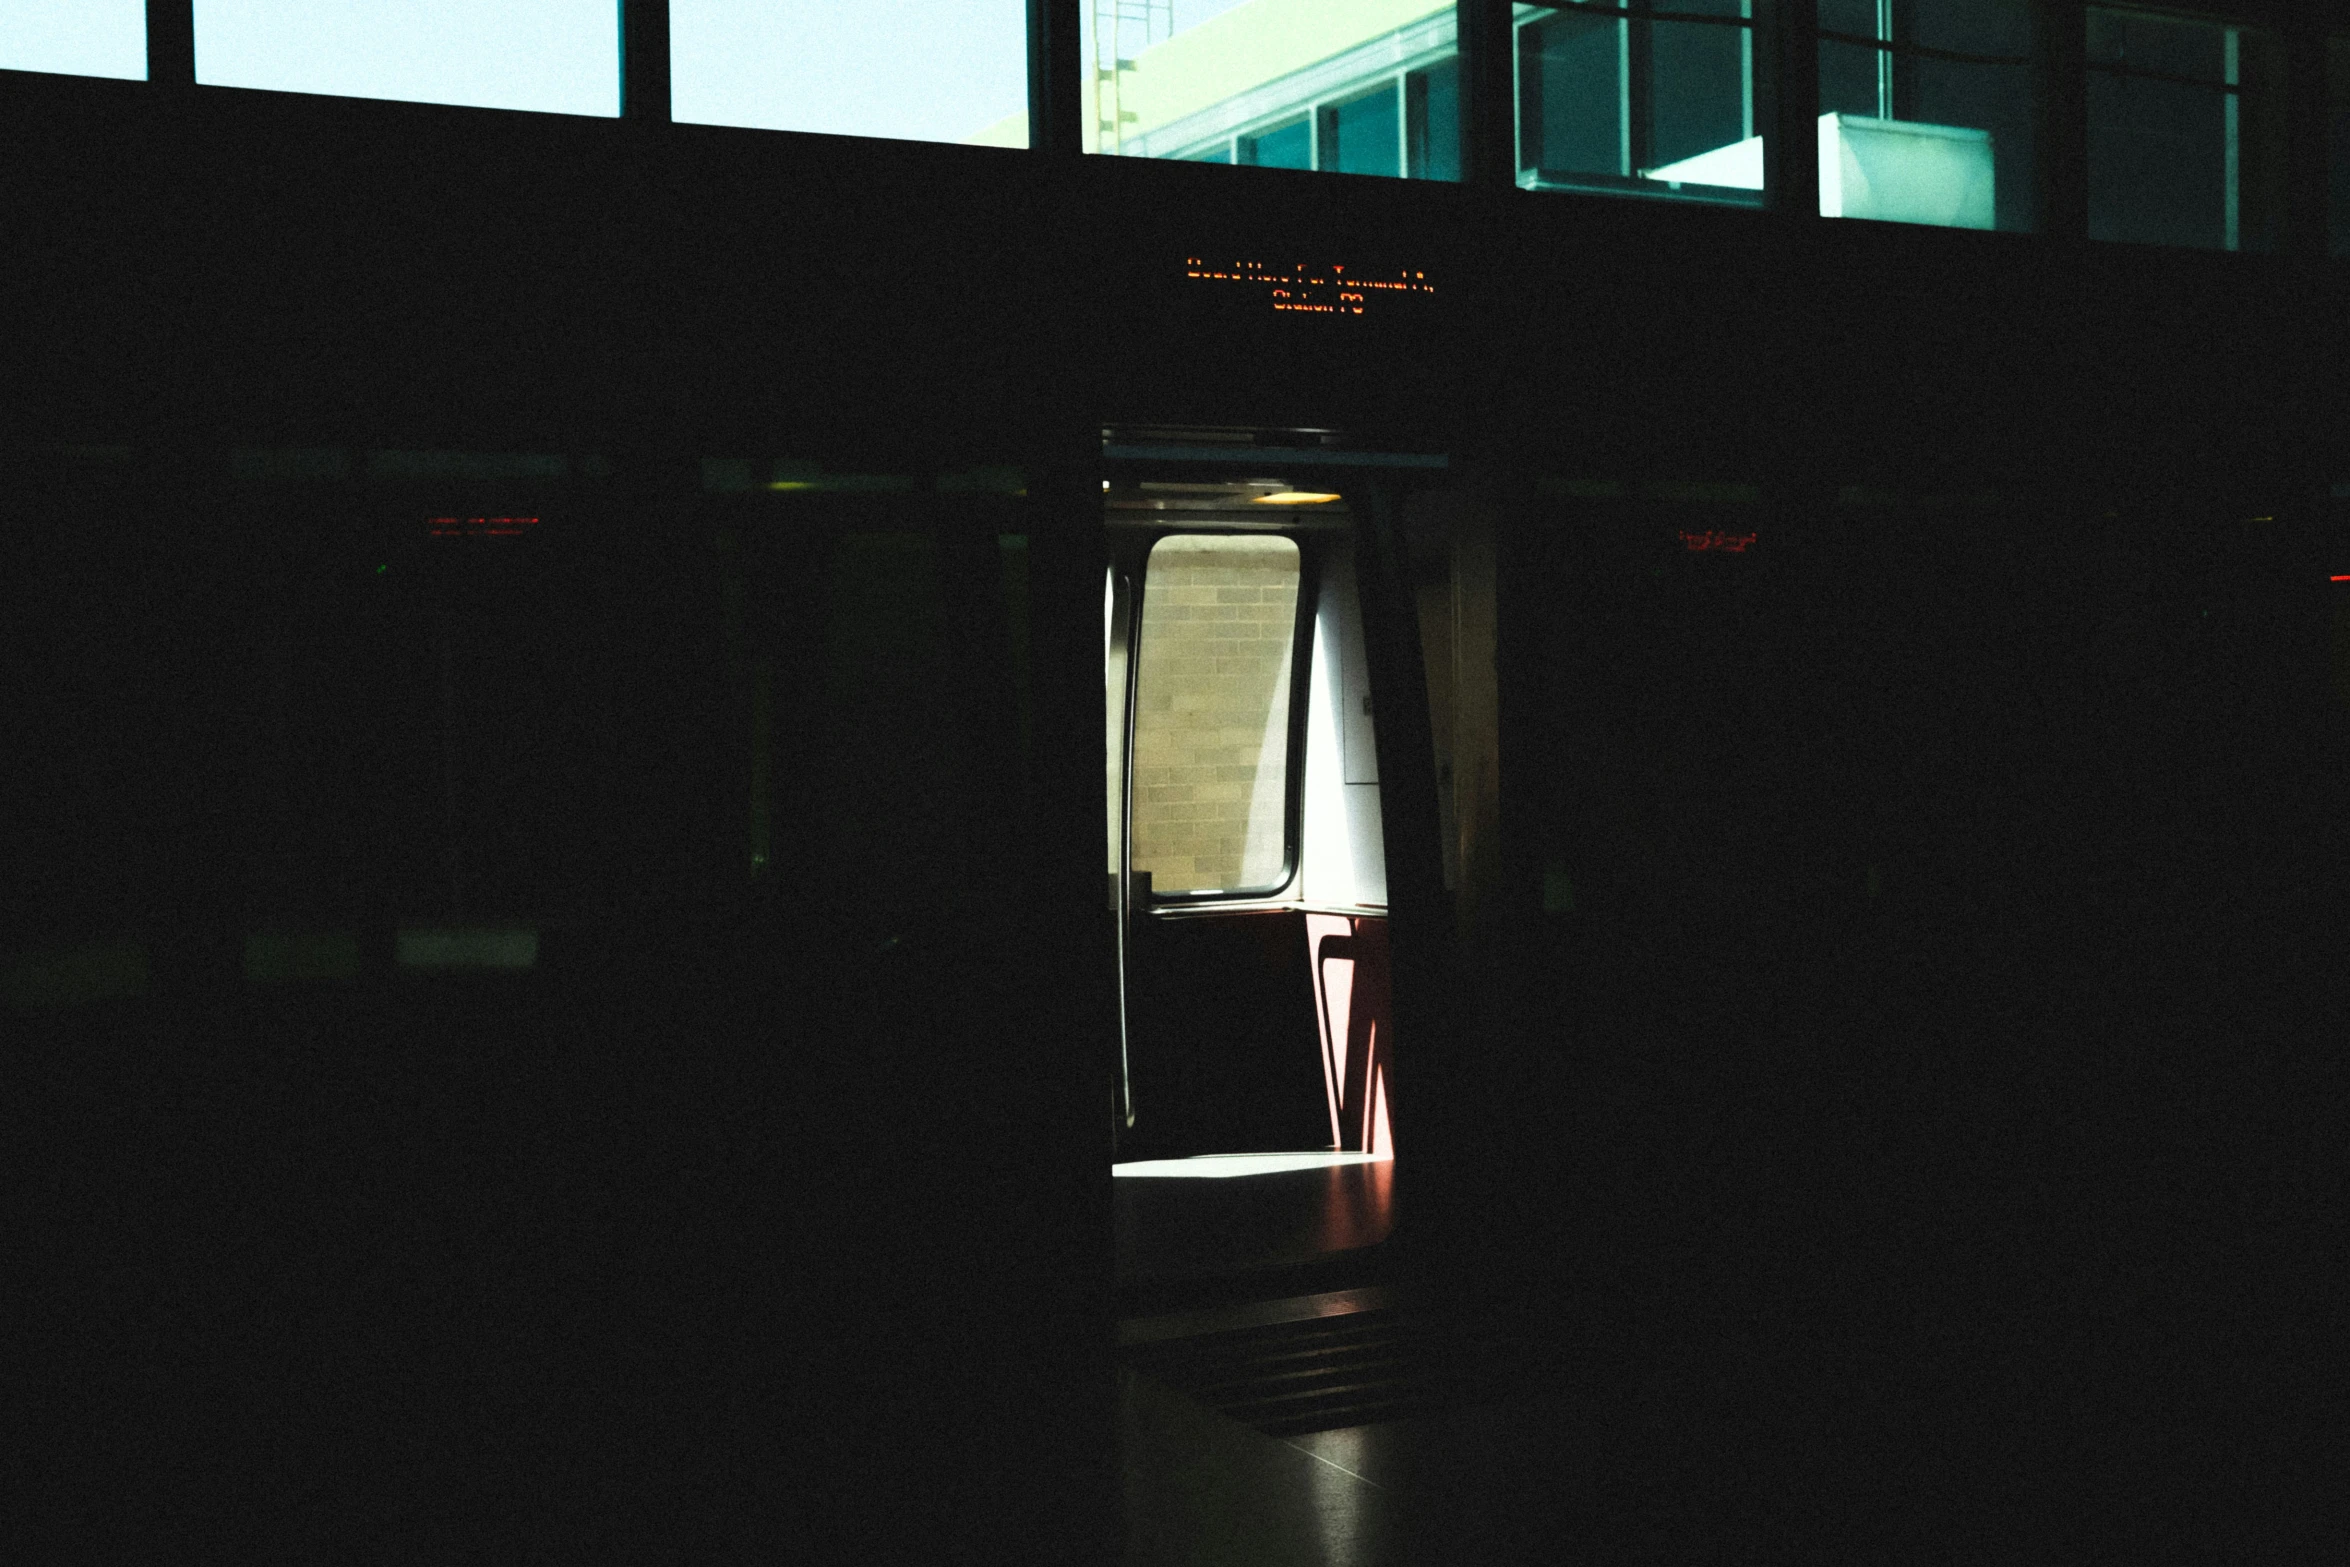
x,y
1255,1128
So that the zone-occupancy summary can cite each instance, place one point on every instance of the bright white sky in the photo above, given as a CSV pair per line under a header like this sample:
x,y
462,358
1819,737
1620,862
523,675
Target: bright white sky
x,y
924,69
921,69
558,56
931,70
75,37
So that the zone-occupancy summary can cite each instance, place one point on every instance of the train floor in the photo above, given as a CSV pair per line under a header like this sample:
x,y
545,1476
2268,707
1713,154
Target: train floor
x,y
1210,1224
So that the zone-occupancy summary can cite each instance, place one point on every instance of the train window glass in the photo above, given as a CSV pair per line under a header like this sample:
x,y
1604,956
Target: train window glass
x,y
553,56
1210,790
2338,144
1642,100
1926,112
2185,131
1184,78
75,38
913,70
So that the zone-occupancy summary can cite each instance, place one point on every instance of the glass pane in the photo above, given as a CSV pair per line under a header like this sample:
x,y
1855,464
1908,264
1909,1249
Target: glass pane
x,y
2185,132
75,37
2338,143
555,56
1434,99
913,70
1270,78
1943,138
1287,147
1657,102
1363,135
1211,714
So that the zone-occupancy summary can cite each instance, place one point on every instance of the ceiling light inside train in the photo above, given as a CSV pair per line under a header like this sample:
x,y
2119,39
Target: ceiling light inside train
x,y
1293,498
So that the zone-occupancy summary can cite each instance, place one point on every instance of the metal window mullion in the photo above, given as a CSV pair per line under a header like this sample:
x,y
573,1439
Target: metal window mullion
x,y
1624,97
1403,125
1517,108
1885,60
645,93
171,43
2233,107
1746,71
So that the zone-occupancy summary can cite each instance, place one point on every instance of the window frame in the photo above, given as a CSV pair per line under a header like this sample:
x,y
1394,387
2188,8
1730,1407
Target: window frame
x,y
2232,20
1759,89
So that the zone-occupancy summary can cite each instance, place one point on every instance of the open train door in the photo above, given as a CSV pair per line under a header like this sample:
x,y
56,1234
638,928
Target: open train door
x,y
1249,854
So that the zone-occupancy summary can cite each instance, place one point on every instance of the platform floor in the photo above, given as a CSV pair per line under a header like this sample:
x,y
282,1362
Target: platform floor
x,y
1203,1260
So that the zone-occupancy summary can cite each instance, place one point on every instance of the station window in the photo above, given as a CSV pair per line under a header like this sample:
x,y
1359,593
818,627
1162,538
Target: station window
x,y
2338,145
553,56
1364,87
1288,146
1212,693
2185,131
1926,112
1633,99
86,38
1432,122
1364,134
912,70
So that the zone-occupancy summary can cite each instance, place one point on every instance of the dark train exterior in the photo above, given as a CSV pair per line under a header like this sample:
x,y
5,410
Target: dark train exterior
x,y
1886,968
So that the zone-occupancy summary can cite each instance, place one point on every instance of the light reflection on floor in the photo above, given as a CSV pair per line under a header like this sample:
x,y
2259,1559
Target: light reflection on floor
x,y
1218,1166
1218,1214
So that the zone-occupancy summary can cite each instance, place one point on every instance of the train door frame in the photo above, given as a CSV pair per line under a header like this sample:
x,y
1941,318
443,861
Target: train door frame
x,y
1366,514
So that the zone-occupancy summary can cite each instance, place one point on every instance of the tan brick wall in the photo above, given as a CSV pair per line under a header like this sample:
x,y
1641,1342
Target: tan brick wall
x,y
1211,726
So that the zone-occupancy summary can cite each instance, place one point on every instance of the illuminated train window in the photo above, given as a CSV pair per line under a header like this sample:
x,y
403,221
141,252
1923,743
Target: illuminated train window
x,y
1212,690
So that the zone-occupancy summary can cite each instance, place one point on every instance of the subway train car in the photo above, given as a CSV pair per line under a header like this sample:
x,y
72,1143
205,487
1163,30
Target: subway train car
x,y
1343,822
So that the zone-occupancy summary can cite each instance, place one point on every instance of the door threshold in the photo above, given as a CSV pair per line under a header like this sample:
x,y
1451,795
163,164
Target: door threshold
x,y
1359,1267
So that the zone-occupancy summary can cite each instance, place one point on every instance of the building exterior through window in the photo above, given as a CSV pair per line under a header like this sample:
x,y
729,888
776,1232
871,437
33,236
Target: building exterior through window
x,y
1346,86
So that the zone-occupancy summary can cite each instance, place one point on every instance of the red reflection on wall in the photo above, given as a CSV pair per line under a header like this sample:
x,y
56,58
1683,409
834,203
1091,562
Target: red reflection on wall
x,y
479,527
1349,959
1715,539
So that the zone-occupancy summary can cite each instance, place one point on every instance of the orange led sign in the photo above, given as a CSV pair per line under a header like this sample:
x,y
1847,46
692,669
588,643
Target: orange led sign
x,y
1312,287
